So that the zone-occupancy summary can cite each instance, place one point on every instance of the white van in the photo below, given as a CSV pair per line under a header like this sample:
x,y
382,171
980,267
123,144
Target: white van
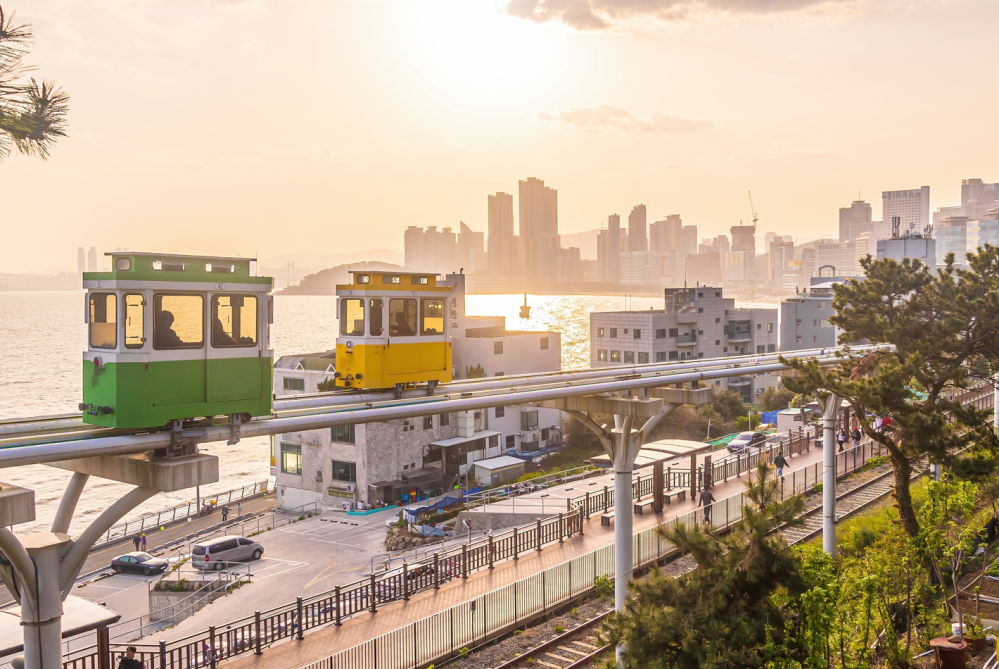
x,y
216,553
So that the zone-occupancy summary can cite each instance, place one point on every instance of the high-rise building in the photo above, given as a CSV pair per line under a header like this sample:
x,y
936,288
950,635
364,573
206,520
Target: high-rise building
x,y
415,249
471,249
664,235
500,232
539,227
609,251
92,259
951,236
741,269
637,240
978,197
430,250
781,257
854,221
81,261
911,206
688,246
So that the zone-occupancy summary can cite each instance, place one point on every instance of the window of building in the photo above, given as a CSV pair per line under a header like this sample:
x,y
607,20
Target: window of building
x,y
797,339
342,433
344,471
497,348
643,358
375,317
477,415
498,374
717,342
770,327
445,419
500,412
544,343
700,294
717,320
291,383
673,355
718,294
178,321
615,356
673,332
638,333
815,322
700,332
613,333
431,316
700,355
352,317
725,349
511,442
771,348
428,422
529,420
661,333
600,332
602,354
660,356
761,349
822,305
626,330
815,340
629,356
234,321
797,322
700,310
759,326
133,321
825,323
544,433
291,459
402,317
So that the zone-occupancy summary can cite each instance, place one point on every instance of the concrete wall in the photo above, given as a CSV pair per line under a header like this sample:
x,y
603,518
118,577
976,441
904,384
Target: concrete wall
x,y
496,521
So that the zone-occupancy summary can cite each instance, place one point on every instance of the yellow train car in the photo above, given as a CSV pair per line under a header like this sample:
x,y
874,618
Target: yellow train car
x,y
393,331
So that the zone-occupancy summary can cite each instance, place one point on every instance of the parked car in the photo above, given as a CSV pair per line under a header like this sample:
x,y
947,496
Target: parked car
x,y
746,440
215,553
141,563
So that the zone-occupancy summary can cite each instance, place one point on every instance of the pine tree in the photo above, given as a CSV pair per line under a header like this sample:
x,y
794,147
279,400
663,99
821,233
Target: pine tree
x,y
721,614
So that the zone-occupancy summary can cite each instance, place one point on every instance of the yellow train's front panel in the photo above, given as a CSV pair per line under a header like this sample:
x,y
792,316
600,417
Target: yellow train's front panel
x,y
385,365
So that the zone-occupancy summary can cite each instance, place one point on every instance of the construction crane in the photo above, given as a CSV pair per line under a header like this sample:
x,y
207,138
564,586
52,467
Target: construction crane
x,y
752,208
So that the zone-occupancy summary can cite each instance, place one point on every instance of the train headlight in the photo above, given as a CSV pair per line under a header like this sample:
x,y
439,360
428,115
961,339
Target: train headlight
x,y
349,345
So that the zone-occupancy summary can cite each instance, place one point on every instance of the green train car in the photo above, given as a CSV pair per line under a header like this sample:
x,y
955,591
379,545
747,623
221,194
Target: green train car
x,y
173,337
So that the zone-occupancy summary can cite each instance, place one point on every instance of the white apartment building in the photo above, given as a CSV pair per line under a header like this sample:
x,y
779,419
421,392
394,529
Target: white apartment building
x,y
911,206
382,462
854,221
695,323
804,319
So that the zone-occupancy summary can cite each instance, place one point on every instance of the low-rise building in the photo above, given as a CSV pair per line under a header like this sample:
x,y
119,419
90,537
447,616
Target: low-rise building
x,y
804,319
695,323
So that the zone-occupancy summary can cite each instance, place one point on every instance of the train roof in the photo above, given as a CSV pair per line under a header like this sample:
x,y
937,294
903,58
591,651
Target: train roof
x,y
383,279
140,266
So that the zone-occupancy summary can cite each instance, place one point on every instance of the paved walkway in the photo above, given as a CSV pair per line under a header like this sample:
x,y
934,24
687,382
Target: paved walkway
x,y
318,644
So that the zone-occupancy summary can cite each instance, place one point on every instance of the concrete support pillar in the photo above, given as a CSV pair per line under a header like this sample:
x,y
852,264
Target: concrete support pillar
x,y
830,412
624,558
995,403
41,615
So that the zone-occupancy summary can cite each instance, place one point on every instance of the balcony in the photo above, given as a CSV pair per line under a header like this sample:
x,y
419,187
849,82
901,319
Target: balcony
x,y
739,337
688,315
689,339
740,381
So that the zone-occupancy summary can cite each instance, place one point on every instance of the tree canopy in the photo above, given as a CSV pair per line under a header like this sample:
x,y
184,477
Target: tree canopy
x,y
32,112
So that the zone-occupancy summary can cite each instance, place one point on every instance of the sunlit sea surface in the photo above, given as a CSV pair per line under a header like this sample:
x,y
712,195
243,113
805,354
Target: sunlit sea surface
x,y
42,336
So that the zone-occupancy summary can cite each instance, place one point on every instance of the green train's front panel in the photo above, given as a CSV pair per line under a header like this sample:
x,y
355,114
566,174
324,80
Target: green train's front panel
x,y
151,395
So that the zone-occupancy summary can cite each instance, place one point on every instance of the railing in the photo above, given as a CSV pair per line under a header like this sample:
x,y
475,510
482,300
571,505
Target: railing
x,y
179,512
686,339
444,634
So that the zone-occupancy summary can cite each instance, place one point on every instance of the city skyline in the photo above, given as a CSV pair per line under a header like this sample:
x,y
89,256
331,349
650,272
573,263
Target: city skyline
x,y
170,144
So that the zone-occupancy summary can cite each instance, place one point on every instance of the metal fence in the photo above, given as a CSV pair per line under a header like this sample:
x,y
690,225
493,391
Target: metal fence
x,y
180,512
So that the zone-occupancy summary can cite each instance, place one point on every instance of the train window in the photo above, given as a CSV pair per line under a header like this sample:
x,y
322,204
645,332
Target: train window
x,y
178,321
419,280
133,321
375,321
402,317
432,317
122,264
391,278
352,317
363,278
234,320
103,320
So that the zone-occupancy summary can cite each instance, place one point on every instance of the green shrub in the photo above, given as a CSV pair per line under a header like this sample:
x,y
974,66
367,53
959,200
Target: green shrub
x,y
518,632
465,652
575,611
559,629
604,586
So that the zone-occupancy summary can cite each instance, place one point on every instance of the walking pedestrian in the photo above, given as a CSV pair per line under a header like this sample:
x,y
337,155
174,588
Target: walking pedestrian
x,y
856,436
143,541
128,661
136,541
780,462
225,513
706,499
239,509
841,438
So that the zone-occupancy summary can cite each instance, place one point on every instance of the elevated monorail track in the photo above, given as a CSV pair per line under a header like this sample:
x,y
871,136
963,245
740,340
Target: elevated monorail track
x,y
54,438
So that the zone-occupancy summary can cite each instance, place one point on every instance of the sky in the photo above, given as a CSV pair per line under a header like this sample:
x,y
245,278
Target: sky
x,y
263,127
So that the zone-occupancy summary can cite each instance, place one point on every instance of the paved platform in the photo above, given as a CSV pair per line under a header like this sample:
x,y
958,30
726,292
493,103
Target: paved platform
x,y
318,644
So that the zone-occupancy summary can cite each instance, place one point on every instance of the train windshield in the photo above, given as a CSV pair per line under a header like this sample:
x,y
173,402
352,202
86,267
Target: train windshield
x,y
432,317
352,317
234,320
375,319
103,320
402,317
178,321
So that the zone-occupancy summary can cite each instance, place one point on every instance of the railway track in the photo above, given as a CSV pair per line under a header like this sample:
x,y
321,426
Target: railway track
x,y
578,647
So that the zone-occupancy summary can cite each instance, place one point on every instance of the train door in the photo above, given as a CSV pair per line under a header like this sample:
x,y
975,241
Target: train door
x,y
402,350
433,352
179,360
234,351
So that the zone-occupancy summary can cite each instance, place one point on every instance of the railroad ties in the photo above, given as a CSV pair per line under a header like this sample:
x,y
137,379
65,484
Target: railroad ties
x,y
848,502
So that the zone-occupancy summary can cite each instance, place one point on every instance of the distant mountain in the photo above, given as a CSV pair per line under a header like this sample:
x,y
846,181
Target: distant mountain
x,y
310,260
586,242
325,281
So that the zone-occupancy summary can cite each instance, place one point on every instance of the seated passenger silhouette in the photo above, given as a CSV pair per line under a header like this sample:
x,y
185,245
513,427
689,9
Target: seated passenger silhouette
x,y
219,336
164,335
402,327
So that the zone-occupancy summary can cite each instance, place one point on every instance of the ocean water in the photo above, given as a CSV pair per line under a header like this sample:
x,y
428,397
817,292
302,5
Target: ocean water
x,y
43,335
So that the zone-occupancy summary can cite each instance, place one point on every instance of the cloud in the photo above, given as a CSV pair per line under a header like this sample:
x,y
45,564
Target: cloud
x,y
608,116
603,14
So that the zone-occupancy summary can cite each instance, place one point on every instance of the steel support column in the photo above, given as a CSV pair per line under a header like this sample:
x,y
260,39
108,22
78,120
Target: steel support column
x,y
830,412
